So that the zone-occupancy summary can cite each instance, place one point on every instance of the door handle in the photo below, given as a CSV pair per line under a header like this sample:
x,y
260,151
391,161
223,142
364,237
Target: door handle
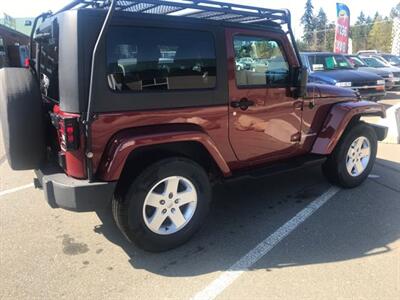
x,y
243,103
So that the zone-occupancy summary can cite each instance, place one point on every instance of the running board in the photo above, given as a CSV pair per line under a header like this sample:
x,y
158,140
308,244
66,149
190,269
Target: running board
x,y
280,167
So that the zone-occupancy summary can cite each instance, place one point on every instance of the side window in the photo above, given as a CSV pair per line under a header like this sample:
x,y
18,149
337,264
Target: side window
x,y
259,62
142,59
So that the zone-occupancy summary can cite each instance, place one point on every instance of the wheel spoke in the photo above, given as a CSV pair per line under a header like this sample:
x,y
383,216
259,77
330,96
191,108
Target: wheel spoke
x,y
186,197
350,166
172,186
157,219
365,152
154,199
359,167
177,218
359,143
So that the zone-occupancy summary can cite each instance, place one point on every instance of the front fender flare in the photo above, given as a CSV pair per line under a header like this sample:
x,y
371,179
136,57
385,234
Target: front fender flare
x,y
337,121
127,141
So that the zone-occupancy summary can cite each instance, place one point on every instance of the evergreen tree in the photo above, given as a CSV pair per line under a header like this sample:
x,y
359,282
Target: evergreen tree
x,y
330,36
321,26
360,32
308,22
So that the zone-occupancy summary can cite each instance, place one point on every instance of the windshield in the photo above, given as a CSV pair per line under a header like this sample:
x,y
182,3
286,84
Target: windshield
x,y
357,62
327,62
373,62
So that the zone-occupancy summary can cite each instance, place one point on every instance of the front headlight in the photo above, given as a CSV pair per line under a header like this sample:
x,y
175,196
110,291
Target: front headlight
x,y
343,84
380,82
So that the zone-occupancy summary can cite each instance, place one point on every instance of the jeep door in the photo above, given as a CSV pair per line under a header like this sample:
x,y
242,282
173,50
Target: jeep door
x,y
264,118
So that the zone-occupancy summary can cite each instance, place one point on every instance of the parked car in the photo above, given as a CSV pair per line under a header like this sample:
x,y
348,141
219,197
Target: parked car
x,y
375,62
367,52
335,69
358,63
151,139
391,59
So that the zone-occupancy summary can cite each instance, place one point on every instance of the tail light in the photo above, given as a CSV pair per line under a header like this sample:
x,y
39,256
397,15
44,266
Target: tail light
x,y
69,133
27,63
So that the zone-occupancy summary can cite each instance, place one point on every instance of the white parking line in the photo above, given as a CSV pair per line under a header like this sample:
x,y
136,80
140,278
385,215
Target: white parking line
x,y
243,264
23,187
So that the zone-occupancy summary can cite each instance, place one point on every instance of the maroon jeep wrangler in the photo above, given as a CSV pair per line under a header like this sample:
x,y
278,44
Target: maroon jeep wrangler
x,y
142,104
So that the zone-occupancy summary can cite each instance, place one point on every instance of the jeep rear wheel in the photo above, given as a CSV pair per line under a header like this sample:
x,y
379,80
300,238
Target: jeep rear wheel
x,y
21,118
353,158
164,205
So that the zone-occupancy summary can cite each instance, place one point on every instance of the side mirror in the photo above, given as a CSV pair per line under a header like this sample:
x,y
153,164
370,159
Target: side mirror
x,y
299,82
302,81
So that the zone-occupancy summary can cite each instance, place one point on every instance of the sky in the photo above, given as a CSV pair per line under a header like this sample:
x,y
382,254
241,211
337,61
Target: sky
x,y
31,8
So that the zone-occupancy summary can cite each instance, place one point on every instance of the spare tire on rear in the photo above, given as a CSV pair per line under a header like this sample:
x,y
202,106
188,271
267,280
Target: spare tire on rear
x,y
21,118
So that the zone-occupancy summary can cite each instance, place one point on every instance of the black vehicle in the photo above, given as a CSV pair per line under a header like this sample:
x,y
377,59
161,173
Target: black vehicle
x,y
335,69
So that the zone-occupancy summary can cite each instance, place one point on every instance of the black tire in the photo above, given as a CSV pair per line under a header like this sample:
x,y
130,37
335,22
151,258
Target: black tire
x,y
128,208
335,169
21,118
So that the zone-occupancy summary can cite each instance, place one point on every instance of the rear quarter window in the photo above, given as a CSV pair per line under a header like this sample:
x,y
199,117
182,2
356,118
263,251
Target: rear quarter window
x,y
141,59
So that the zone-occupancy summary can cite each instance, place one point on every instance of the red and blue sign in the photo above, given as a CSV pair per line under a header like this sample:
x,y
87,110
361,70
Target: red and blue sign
x,y
342,29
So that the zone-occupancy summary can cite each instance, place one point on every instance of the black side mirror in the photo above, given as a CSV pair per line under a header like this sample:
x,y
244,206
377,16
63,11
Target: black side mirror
x,y
299,82
303,80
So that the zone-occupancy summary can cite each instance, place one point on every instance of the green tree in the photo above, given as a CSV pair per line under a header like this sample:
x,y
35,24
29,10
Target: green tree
x,y
301,45
360,32
380,36
308,22
321,26
330,36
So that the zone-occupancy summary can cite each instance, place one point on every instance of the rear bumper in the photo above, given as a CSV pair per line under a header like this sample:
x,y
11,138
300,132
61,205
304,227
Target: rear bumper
x,y
65,192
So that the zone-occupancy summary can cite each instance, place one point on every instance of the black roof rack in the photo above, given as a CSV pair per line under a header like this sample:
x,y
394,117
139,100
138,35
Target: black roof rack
x,y
199,9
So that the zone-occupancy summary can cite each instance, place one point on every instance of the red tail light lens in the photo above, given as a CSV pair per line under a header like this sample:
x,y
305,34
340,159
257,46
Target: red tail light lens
x,y
69,133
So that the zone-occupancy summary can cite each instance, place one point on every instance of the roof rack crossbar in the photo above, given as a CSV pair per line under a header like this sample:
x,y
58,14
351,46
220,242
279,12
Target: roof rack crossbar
x,y
200,9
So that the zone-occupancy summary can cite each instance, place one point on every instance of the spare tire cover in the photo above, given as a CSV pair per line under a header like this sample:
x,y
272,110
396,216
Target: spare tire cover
x,y
21,118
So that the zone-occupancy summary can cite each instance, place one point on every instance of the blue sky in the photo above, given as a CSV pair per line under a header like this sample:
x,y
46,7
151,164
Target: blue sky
x,y
29,8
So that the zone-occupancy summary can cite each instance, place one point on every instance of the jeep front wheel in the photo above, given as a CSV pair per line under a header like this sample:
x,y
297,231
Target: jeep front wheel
x,y
353,158
164,205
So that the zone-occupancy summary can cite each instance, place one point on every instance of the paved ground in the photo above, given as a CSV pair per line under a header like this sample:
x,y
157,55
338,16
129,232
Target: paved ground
x,y
348,249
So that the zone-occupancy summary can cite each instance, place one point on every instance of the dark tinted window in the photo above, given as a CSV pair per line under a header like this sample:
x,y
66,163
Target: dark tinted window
x,y
143,59
259,62
326,62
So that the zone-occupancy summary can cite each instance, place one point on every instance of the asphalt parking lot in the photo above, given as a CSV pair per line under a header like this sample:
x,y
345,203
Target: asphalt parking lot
x,y
342,246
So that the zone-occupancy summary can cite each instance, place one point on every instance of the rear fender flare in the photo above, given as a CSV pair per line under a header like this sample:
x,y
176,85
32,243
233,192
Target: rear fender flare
x,y
338,119
127,141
